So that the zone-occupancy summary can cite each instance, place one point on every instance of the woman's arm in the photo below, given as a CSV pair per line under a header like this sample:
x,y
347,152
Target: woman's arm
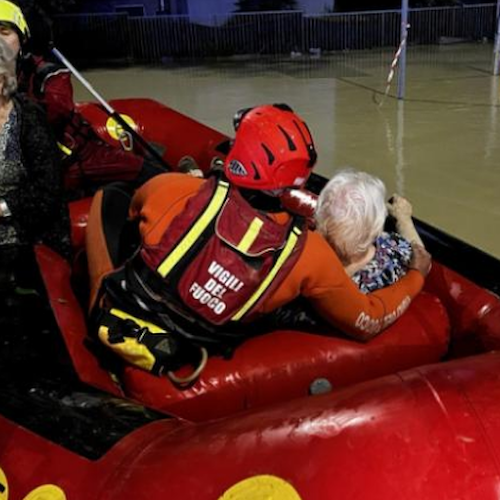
x,y
400,208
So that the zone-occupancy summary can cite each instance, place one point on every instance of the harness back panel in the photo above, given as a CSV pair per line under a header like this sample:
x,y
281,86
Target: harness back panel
x,y
221,257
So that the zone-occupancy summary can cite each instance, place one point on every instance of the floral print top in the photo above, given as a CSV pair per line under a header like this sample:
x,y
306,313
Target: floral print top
x,y
390,262
12,172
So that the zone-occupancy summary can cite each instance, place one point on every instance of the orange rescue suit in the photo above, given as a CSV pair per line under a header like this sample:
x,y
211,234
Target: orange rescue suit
x,y
318,274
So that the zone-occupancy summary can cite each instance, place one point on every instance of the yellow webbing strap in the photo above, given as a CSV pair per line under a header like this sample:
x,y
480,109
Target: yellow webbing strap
x,y
130,349
65,149
143,324
213,208
136,353
293,238
251,235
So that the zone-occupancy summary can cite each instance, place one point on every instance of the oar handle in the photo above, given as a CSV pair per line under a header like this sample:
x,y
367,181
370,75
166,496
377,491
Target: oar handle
x,y
109,109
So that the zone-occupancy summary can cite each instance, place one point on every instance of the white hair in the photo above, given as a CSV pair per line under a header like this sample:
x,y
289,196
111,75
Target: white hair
x,y
7,70
351,213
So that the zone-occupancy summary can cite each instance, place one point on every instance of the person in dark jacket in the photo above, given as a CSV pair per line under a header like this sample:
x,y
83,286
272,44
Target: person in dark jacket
x,y
88,161
32,204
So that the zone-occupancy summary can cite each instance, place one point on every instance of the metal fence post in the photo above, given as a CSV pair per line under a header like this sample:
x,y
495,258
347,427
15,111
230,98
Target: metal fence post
x,y
496,49
402,61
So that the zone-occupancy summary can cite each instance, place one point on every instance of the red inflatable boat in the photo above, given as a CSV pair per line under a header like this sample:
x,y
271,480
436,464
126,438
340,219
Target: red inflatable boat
x,y
253,427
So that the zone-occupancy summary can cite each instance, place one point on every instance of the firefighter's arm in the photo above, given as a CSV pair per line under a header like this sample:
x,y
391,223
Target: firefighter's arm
x,y
58,98
335,296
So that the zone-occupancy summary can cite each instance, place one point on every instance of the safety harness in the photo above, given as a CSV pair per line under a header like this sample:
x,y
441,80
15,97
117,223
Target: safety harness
x,y
201,286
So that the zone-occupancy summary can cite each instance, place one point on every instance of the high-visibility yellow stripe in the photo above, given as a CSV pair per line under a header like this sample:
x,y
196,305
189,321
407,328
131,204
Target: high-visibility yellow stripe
x,y
251,235
290,245
65,149
143,324
195,232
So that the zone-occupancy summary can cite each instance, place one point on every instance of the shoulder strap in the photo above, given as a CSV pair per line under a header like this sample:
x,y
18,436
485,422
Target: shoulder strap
x,y
43,72
204,223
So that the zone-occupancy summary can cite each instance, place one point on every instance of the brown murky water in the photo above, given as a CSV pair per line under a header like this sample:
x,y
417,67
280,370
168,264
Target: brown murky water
x,y
440,148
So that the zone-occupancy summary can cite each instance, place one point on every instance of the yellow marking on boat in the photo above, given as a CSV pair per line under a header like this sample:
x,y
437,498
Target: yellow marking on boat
x,y
4,487
263,487
115,129
46,492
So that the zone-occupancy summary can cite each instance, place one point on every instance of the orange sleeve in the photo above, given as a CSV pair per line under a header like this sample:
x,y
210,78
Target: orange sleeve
x,y
158,201
320,277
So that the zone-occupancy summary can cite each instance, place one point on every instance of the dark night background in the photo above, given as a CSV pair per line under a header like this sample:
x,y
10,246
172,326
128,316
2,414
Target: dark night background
x,y
60,6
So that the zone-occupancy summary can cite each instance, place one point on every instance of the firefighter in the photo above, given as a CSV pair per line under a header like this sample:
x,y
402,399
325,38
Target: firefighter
x,y
218,254
88,160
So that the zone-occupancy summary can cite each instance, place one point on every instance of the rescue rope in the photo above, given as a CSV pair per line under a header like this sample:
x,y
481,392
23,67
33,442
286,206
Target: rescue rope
x,y
392,70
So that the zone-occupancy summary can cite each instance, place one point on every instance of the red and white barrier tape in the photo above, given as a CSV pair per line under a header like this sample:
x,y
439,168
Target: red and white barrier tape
x,y
394,65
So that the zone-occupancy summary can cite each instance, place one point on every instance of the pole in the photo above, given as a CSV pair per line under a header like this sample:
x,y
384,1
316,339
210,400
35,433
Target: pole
x,y
496,46
109,109
402,61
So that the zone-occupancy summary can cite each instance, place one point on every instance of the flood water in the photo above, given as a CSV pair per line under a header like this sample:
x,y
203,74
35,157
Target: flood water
x,y
440,147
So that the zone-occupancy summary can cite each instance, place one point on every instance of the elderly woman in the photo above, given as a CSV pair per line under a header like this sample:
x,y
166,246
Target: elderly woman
x,y
32,207
351,213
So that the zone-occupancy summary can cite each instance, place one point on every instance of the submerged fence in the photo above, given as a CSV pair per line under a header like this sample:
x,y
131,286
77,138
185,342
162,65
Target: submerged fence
x,y
101,38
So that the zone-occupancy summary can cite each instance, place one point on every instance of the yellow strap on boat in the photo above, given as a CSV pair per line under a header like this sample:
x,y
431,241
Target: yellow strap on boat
x,y
209,214
65,149
292,240
251,235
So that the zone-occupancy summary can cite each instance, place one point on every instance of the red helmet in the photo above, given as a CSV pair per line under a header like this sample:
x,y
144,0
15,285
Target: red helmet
x,y
273,149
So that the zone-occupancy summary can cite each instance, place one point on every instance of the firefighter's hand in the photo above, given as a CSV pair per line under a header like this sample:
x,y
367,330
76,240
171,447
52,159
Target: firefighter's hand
x,y
400,208
421,259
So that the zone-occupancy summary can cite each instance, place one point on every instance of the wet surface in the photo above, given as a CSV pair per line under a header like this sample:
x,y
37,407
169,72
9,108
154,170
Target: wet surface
x,y
440,148
40,390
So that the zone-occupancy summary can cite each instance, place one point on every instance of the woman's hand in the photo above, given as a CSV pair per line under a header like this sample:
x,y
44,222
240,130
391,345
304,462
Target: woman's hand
x,y
421,259
400,208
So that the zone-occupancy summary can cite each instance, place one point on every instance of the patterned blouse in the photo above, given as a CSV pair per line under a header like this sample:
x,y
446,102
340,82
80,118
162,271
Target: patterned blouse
x,y
31,181
12,172
390,262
